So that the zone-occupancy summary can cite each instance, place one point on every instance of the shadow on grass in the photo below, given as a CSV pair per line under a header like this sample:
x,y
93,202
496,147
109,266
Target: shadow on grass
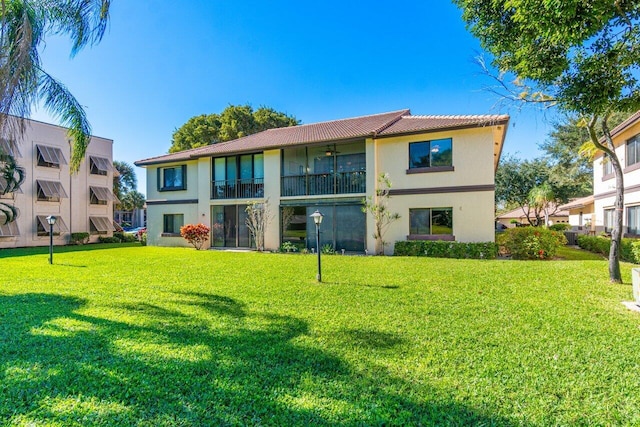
x,y
220,366
41,250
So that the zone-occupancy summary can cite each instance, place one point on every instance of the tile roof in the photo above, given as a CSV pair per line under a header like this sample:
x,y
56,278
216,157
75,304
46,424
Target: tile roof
x,y
383,125
577,203
625,124
520,213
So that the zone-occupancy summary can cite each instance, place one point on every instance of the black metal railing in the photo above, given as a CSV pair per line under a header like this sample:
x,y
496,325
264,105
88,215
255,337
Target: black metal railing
x,y
324,183
237,188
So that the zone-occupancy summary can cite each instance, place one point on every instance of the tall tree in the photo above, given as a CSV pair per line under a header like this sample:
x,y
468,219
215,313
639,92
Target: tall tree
x,y
581,56
234,122
125,180
132,200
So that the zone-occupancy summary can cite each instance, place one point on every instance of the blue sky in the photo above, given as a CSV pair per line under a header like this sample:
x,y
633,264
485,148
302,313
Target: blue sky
x,y
162,62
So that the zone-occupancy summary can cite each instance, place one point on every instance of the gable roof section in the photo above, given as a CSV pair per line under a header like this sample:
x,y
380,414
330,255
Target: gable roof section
x,y
376,125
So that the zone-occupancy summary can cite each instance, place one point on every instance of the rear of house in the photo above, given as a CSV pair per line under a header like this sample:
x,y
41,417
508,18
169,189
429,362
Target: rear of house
x,y
442,169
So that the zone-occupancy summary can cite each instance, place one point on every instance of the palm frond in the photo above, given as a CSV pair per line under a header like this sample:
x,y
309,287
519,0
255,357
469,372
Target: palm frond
x,y
61,103
85,21
11,174
9,212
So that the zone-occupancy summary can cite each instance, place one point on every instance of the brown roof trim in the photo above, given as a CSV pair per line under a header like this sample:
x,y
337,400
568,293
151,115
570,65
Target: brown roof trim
x,y
440,190
445,128
625,124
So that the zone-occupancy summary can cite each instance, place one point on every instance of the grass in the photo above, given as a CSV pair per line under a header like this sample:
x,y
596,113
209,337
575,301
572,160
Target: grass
x,y
568,253
151,336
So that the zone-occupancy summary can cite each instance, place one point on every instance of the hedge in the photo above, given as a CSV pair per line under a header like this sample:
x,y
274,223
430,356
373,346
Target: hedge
x,y
629,248
531,242
442,249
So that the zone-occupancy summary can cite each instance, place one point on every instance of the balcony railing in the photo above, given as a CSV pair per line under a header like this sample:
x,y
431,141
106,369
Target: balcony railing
x,y
237,188
324,183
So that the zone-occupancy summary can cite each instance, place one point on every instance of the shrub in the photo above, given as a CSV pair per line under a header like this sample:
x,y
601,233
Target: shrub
x,y
142,236
560,227
106,239
124,237
532,242
196,235
442,249
79,238
629,248
328,249
288,247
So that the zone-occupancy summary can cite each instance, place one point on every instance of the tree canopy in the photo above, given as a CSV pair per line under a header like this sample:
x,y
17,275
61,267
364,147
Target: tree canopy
x,y
125,180
579,55
234,122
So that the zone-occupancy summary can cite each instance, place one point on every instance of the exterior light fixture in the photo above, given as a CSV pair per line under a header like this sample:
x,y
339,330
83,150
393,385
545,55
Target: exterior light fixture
x,y
317,219
51,220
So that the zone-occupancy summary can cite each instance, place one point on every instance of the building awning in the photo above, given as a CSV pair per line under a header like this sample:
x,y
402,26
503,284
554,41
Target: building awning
x,y
59,226
51,189
51,154
9,147
103,194
10,229
101,223
101,163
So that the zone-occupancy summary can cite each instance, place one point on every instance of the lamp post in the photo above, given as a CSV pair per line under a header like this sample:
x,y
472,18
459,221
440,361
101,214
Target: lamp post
x,y
317,219
51,220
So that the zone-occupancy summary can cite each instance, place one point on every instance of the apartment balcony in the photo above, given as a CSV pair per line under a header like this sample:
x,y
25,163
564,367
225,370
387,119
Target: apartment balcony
x,y
238,189
324,184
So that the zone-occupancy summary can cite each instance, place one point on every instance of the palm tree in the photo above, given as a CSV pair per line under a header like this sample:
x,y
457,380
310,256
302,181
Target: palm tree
x,y
24,83
542,198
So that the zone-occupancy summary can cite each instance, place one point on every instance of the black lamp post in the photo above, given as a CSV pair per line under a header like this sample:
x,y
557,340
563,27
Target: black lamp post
x,y
317,219
51,220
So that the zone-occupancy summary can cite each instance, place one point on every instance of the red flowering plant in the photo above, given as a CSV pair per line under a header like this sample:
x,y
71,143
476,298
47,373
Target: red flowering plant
x,y
196,235
531,242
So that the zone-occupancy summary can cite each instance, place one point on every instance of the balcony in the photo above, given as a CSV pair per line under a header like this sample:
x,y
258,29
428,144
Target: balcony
x,y
324,184
238,188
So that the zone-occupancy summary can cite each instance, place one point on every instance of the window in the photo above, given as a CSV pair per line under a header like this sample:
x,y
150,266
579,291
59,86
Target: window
x,y
633,150
9,147
8,229
42,226
100,195
607,166
50,191
633,220
435,221
172,223
173,178
49,157
99,165
100,225
238,176
431,154
608,220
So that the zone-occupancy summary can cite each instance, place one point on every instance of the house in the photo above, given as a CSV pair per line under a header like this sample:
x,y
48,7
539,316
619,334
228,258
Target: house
x,y
582,217
626,140
442,169
518,216
82,202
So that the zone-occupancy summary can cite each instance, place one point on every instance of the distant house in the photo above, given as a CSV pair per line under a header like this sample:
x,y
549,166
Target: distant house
x,y
82,202
526,216
582,215
442,169
626,139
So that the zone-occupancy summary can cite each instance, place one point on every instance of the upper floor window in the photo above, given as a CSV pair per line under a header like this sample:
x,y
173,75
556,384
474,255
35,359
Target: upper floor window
x,y
99,165
430,154
633,150
100,195
9,147
50,191
172,178
238,176
607,165
49,157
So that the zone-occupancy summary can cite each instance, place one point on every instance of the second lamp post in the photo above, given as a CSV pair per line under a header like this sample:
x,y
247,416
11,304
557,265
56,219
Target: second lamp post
x,y
317,219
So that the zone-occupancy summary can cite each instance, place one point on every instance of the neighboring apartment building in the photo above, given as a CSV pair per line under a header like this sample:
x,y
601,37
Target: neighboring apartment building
x,y
518,217
626,139
82,202
442,169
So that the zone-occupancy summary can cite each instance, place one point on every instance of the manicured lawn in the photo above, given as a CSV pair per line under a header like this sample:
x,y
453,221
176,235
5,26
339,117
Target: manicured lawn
x,y
157,336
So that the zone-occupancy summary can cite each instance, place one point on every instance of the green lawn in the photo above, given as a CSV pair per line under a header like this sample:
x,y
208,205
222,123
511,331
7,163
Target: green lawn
x,y
166,336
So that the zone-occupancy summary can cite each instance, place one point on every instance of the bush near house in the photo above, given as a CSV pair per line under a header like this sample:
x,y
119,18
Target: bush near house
x,y
196,235
79,238
560,227
442,249
531,242
629,248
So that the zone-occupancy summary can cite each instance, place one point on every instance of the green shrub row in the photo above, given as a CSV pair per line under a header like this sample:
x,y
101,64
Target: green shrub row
x,y
629,248
118,238
79,238
531,242
442,249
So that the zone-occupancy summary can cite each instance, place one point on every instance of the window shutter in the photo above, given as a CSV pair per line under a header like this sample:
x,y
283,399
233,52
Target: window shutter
x,y
184,176
159,173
